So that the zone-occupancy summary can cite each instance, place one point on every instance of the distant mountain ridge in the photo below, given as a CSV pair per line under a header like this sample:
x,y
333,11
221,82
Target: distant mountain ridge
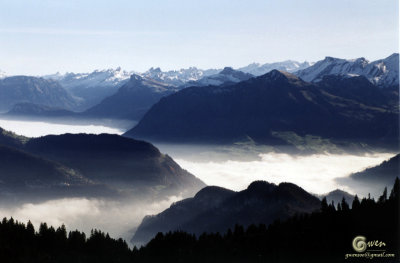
x,y
91,88
382,72
215,209
225,77
385,172
132,100
21,89
178,77
258,69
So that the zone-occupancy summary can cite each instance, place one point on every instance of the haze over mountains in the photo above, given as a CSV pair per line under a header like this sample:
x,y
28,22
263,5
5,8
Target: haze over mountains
x,y
132,100
92,93
19,89
91,88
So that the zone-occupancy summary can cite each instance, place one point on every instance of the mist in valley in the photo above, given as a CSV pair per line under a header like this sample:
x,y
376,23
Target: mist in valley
x,y
116,217
41,127
237,166
232,167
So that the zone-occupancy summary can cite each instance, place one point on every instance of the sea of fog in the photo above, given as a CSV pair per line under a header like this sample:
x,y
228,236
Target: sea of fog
x,y
35,128
316,173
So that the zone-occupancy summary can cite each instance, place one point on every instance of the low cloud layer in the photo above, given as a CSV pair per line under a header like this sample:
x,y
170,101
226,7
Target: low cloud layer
x,y
119,219
40,128
315,173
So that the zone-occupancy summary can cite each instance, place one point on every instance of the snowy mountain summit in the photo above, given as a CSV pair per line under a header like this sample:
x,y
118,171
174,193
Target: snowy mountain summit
x,y
103,78
178,77
382,72
258,69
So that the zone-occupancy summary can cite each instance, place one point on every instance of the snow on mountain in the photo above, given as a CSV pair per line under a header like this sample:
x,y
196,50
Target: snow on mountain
x,y
227,76
97,78
258,69
178,77
91,88
383,72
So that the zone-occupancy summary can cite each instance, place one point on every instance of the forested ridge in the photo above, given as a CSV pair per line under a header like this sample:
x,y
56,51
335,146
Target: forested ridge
x,y
323,236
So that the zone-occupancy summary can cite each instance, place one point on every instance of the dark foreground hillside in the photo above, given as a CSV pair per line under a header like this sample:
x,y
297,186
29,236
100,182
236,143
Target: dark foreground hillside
x,y
324,236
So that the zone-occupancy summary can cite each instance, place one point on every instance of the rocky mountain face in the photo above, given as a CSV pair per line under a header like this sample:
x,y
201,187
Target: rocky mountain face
x,y
215,209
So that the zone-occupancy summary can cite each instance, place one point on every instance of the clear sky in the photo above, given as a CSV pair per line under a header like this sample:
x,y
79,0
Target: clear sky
x,y
46,36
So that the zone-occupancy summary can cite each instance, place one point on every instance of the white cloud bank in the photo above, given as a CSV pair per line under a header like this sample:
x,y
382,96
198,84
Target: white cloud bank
x,y
315,173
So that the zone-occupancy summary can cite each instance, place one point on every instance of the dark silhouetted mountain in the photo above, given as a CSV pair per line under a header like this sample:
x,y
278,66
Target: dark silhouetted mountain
x,y
337,195
385,172
272,103
132,100
41,91
118,161
327,233
226,77
30,109
383,72
25,176
215,209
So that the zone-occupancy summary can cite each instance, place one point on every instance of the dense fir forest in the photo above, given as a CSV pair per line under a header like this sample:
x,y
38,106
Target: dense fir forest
x,y
323,236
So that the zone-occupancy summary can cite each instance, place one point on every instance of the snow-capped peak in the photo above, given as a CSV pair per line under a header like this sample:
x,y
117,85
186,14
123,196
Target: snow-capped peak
x,y
178,77
383,72
98,78
257,69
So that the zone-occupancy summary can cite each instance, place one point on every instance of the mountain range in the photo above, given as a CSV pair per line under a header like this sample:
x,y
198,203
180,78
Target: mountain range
x,y
215,209
19,89
89,89
107,94
178,77
382,72
132,100
258,69
260,108
225,77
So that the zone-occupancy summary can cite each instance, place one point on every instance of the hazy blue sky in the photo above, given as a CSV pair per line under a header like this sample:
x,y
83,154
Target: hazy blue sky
x,y
46,36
